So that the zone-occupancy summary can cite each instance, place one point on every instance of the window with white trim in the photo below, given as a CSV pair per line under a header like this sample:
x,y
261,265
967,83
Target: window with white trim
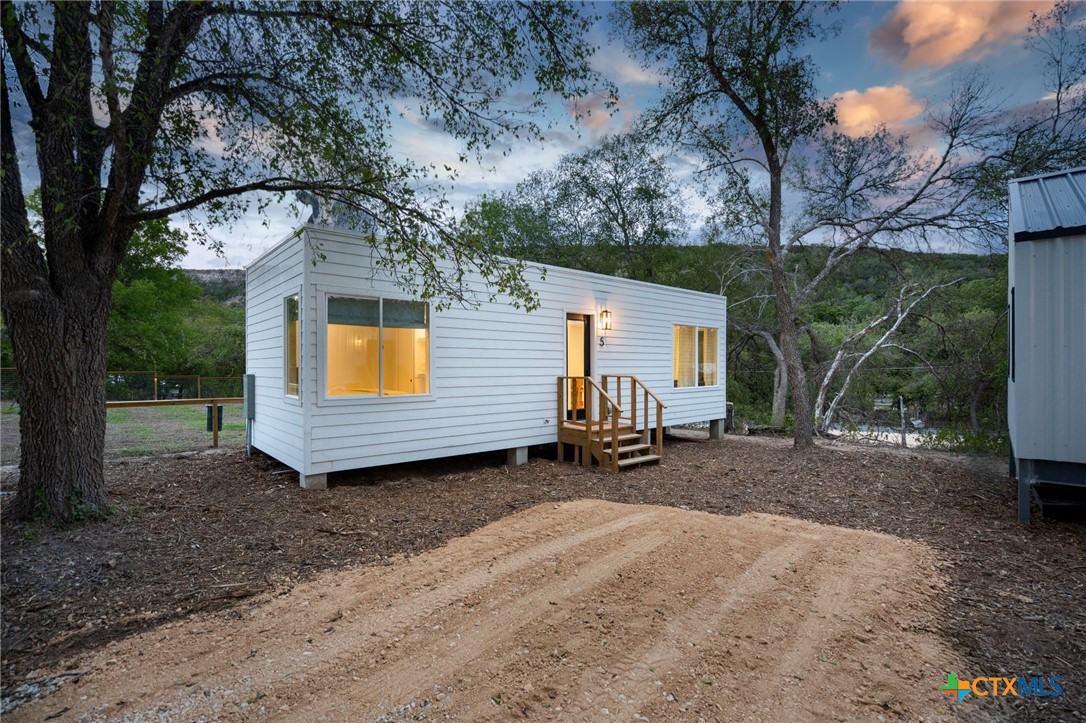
x,y
292,346
377,347
695,356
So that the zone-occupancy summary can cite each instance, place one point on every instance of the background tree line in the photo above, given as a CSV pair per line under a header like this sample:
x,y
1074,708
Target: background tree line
x,y
163,319
947,358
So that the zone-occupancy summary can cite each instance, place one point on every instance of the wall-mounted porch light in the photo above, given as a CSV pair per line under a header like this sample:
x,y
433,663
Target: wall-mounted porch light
x,y
605,324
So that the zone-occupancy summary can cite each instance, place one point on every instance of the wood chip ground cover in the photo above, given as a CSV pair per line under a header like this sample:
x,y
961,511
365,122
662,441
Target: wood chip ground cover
x,y
211,543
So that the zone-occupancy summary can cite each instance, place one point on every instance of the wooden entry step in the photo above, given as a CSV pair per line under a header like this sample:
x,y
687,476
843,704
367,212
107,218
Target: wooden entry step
x,y
635,461
614,432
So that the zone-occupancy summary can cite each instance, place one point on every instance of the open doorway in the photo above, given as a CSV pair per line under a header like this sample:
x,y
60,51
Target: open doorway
x,y
579,331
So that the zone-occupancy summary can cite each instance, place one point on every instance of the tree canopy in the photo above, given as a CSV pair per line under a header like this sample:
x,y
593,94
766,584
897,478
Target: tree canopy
x,y
613,208
143,110
739,92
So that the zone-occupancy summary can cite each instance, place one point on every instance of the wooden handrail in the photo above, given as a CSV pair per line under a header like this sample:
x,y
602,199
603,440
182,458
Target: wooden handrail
x,y
595,386
639,383
613,412
660,407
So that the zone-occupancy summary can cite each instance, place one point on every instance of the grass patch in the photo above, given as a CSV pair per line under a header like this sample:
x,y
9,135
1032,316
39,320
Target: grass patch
x,y
144,431
118,416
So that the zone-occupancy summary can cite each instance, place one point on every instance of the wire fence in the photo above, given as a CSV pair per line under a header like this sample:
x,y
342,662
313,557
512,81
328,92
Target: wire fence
x,y
145,385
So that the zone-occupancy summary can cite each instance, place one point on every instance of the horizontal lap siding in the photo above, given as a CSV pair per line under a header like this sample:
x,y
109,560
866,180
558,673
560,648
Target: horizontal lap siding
x,y
279,422
493,369
641,342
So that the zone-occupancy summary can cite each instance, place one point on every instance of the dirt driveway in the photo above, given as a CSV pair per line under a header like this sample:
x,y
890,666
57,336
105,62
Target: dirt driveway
x,y
585,610
217,542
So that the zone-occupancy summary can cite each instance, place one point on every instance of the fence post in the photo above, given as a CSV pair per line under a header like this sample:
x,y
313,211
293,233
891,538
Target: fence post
x,y
901,406
215,423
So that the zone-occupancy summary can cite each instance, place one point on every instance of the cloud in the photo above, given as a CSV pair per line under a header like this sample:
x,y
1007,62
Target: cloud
x,y
591,112
1073,91
940,33
861,111
624,70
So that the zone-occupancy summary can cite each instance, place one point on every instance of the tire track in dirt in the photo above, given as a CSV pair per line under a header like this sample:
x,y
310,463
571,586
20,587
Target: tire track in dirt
x,y
693,628
411,672
579,611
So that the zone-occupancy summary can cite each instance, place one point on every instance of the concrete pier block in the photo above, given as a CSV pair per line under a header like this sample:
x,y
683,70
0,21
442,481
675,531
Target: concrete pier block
x,y
516,456
313,481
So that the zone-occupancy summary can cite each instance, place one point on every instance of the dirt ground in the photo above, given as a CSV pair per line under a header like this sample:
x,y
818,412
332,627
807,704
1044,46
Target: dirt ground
x,y
583,610
212,550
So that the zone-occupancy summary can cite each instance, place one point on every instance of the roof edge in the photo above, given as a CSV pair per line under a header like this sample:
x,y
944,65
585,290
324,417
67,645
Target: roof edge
x,y
1058,232
1048,174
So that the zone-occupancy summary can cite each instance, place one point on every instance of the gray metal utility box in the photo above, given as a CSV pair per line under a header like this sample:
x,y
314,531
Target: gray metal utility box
x,y
1046,386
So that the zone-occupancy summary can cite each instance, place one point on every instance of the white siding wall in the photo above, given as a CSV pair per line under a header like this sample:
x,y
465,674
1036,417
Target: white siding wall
x,y
278,428
1047,397
492,369
641,341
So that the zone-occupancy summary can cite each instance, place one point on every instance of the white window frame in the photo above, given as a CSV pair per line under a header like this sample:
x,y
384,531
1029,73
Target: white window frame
x,y
380,397
697,342
301,346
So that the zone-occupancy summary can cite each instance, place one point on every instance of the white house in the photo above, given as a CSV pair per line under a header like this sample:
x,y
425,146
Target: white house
x,y
1046,385
352,372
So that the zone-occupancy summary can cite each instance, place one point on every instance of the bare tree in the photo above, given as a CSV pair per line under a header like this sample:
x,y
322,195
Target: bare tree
x,y
747,314
778,406
741,97
908,297
1048,134
739,93
618,194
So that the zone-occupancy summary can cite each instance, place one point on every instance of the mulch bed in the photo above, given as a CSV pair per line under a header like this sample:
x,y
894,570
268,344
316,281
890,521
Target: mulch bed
x,y
209,531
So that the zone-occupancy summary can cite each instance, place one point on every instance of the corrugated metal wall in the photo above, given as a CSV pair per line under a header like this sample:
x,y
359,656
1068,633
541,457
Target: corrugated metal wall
x,y
1047,390
1050,349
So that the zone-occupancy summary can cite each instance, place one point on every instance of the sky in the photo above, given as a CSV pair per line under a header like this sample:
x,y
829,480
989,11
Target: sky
x,y
887,62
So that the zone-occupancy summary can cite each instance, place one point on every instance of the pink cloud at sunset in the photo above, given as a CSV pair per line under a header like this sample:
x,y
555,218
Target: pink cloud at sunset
x,y
862,111
592,113
939,33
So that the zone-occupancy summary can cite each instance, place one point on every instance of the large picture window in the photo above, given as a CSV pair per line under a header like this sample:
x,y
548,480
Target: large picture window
x,y
695,356
377,347
292,346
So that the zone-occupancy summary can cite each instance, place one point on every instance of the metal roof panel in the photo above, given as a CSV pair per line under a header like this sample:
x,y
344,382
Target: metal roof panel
x,y
1048,206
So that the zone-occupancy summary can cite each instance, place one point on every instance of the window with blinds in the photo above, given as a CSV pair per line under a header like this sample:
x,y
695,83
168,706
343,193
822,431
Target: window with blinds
x,y
695,357
377,347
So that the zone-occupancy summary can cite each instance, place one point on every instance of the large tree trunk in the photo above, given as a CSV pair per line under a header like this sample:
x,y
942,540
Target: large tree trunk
x,y
789,343
59,346
57,286
786,310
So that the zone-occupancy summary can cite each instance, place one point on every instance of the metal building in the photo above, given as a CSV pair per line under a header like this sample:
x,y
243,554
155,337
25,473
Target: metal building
x,y
1046,391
